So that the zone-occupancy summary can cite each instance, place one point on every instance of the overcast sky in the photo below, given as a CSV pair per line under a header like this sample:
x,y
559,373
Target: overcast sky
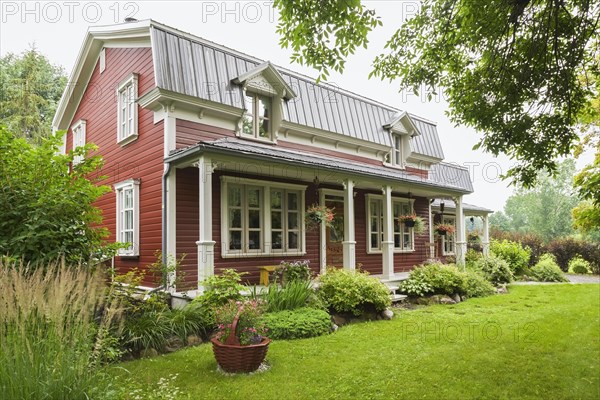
x,y
58,27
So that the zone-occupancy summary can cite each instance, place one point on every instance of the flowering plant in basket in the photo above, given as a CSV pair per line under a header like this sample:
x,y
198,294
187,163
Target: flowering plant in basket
x,y
443,229
249,330
413,221
316,215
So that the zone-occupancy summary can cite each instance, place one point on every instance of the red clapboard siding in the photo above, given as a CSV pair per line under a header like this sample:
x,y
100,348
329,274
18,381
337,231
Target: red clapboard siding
x,y
189,133
323,151
140,159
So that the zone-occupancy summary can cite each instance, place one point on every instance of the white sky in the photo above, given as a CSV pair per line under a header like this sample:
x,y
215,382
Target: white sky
x,y
58,27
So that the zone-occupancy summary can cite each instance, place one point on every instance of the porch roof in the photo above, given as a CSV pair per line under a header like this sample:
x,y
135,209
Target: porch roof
x,y
441,175
467,208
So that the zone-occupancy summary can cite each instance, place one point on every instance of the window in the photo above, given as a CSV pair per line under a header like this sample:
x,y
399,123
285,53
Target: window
x,y
397,152
102,60
403,235
127,118
128,216
78,138
262,218
257,120
448,240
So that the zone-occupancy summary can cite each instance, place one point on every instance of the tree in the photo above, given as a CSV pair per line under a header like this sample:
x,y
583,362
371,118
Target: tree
x,y
46,209
30,88
544,209
509,67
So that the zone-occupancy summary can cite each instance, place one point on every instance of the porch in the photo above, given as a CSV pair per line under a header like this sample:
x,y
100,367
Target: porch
x,y
254,198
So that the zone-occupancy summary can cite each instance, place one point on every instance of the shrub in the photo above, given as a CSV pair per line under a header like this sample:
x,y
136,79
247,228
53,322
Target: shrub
x,y
566,249
53,324
578,265
45,211
494,269
531,240
475,285
547,270
513,253
434,278
472,256
296,294
353,292
220,289
293,271
297,324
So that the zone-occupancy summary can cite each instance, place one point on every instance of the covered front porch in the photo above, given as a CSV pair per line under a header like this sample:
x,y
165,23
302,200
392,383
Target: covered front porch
x,y
242,206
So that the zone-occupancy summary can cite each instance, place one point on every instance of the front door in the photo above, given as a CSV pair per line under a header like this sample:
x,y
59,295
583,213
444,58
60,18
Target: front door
x,y
334,234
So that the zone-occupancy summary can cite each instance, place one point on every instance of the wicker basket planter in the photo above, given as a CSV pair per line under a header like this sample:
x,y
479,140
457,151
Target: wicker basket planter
x,y
236,358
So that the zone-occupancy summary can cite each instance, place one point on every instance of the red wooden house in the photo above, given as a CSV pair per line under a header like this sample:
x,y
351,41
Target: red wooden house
x,y
216,154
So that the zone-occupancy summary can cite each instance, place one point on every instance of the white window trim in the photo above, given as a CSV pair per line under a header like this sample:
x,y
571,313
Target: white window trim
x,y
444,252
81,124
369,197
129,184
271,134
102,60
266,218
132,79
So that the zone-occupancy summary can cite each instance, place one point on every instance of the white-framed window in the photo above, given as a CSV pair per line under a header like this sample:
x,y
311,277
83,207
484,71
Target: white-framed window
x,y
403,235
78,138
397,151
128,211
261,218
127,110
258,118
448,239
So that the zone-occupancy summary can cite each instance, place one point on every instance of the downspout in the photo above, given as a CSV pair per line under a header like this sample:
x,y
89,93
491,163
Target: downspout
x,y
164,216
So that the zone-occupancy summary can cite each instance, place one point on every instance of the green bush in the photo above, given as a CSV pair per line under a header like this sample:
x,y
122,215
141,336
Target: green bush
x,y
296,294
534,242
547,270
297,324
475,285
578,265
293,271
513,253
472,256
354,292
433,278
220,289
494,269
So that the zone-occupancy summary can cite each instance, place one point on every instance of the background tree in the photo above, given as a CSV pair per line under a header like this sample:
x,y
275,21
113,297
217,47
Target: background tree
x,y
544,209
509,67
30,88
46,208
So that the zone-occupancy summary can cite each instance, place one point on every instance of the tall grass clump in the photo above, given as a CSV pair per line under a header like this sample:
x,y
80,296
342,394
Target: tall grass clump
x,y
53,324
296,294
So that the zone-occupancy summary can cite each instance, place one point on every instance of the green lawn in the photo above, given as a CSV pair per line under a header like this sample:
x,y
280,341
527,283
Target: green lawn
x,y
535,342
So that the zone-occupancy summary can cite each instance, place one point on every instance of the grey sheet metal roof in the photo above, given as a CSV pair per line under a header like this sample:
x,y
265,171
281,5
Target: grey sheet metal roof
x,y
450,205
199,68
444,175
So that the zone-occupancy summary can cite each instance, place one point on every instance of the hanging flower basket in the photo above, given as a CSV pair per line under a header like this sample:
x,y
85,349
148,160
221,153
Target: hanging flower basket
x,y
412,221
444,229
317,215
239,346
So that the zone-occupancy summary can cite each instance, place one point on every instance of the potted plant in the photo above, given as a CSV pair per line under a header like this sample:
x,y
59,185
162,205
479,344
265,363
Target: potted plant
x,y
413,221
240,344
317,215
444,229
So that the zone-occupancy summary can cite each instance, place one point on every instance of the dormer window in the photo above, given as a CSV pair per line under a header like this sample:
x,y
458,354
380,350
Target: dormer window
x,y
257,120
398,150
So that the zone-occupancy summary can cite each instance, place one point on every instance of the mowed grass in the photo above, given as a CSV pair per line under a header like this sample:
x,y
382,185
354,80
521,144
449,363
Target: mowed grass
x,y
537,342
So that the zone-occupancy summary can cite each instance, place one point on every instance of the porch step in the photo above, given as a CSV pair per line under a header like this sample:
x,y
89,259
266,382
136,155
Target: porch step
x,y
397,297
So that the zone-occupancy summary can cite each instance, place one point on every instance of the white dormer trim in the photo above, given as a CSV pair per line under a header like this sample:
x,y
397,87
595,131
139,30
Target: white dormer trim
x,y
402,124
265,78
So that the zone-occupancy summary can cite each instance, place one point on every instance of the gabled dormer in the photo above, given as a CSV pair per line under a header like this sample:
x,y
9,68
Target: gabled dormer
x,y
401,129
264,91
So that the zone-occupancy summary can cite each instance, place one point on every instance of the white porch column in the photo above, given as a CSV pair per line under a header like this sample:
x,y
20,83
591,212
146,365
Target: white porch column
x,y
486,235
431,236
387,246
461,239
322,238
349,243
171,214
206,244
